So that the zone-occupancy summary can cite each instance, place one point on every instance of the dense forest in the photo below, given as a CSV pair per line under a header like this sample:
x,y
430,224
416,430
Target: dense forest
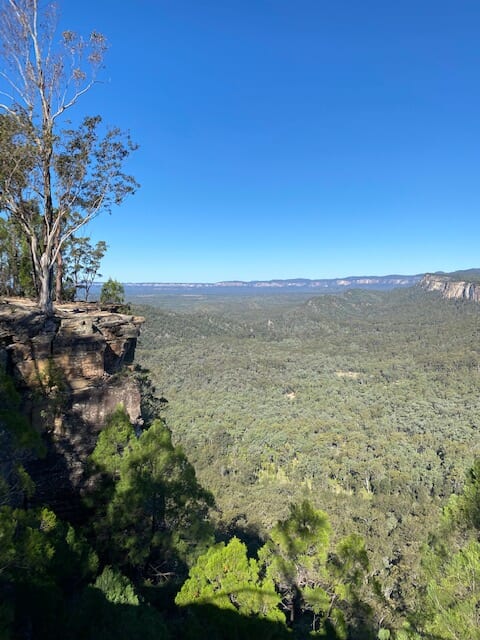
x,y
365,404
338,494
306,467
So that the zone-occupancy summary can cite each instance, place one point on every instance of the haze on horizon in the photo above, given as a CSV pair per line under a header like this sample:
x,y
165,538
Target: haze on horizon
x,y
282,140
274,281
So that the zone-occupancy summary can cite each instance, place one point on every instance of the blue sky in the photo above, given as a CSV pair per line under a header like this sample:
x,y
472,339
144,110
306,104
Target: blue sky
x,y
290,138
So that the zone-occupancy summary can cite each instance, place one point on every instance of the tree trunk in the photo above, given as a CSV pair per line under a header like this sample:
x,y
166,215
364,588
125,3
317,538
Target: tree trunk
x,y
59,278
36,288
45,278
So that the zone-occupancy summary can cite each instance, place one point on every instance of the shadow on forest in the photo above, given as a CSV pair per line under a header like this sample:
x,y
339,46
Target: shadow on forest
x,y
92,616
208,621
43,615
247,533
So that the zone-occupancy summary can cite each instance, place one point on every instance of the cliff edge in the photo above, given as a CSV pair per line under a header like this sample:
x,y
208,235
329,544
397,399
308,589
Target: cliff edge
x,y
451,288
72,370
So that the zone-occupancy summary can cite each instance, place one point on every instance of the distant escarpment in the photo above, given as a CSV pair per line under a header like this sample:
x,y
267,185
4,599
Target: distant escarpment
x,y
71,370
274,286
451,288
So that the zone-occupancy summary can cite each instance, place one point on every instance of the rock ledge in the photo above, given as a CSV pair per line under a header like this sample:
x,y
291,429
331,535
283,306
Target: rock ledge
x,y
72,371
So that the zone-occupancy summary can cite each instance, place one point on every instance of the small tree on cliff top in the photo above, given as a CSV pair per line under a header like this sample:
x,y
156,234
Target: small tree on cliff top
x,y
112,292
68,175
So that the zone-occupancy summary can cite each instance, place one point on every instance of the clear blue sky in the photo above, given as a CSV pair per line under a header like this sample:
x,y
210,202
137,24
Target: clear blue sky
x,y
290,138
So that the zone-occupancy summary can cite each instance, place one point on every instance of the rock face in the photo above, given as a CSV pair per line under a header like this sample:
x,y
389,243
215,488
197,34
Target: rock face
x,y
451,289
72,371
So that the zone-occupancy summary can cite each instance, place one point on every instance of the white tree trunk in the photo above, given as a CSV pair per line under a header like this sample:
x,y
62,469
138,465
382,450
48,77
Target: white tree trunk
x,y
46,81
45,280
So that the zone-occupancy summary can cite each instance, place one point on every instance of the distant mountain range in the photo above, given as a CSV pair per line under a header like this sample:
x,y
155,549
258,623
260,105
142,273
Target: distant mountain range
x,y
277,285
301,285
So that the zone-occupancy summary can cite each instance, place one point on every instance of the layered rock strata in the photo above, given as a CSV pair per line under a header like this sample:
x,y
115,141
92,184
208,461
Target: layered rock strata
x,y
451,289
72,371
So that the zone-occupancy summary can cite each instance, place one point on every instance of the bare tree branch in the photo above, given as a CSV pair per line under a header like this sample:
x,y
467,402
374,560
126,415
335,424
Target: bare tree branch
x,y
47,173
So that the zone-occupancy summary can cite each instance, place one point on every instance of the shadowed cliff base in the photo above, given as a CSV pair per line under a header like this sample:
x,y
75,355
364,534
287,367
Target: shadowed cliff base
x,y
71,370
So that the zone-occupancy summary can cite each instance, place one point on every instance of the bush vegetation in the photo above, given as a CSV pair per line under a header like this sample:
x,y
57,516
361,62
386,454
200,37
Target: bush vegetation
x,y
329,436
365,403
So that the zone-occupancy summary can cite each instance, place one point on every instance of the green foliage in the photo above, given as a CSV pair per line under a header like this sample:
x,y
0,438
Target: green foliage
x,y
54,390
154,511
296,570
111,609
116,587
463,510
349,565
112,292
312,577
365,403
296,552
226,578
303,412
452,597
13,421
112,442
16,268
227,596
18,441
465,275
449,605
151,406
48,169
83,262
42,560
39,548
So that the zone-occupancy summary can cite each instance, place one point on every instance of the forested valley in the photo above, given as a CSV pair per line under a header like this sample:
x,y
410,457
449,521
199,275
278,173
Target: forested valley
x,y
296,466
365,404
306,468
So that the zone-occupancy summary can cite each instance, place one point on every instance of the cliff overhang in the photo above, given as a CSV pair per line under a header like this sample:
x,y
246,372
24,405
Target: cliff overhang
x,y
72,370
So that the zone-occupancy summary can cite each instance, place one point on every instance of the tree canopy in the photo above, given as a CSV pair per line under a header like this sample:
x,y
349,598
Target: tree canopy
x,y
54,177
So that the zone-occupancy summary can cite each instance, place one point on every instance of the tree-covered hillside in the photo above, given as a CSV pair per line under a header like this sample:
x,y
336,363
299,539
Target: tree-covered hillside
x,y
365,403
331,437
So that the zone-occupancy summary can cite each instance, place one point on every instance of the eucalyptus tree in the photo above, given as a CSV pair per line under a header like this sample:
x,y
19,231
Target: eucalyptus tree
x,y
83,262
68,173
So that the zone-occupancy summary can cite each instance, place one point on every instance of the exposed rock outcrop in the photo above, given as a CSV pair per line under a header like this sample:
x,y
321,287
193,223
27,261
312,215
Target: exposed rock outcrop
x,y
450,288
72,371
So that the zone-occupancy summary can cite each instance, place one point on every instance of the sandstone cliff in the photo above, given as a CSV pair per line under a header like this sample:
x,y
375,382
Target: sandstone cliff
x,y
450,288
72,371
